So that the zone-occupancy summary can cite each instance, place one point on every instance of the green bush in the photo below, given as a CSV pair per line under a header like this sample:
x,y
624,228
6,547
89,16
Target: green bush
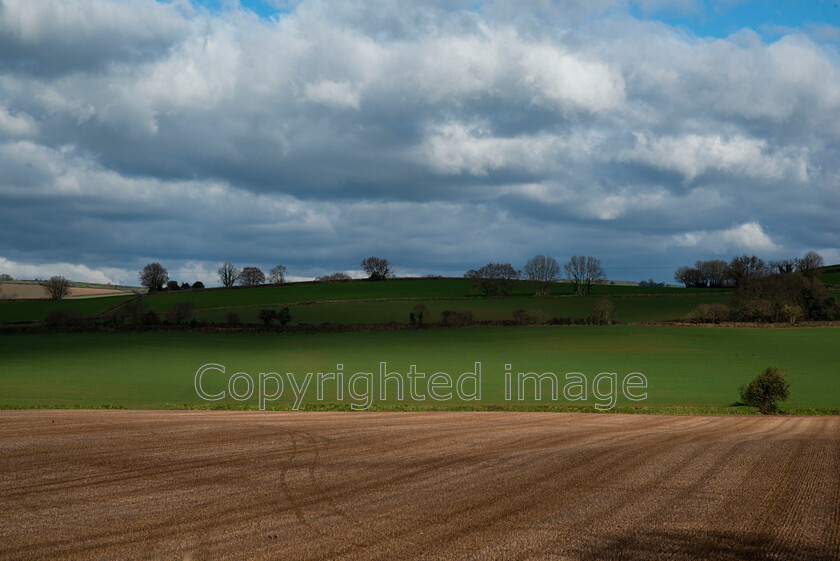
x,y
766,390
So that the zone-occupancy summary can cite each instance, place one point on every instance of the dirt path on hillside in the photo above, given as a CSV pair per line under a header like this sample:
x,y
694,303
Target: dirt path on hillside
x,y
210,485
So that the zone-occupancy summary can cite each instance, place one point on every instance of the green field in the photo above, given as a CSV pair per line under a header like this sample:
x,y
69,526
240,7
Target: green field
x,y
34,310
685,366
384,302
629,308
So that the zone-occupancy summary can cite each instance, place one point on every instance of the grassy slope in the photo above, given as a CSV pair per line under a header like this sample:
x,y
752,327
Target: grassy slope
x,y
689,366
370,302
34,310
628,308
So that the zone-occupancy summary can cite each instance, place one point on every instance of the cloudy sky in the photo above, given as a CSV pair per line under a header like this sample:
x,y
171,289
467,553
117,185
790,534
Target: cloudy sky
x,y
440,135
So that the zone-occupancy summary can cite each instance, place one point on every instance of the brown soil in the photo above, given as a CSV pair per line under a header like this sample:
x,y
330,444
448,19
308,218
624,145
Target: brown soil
x,y
210,485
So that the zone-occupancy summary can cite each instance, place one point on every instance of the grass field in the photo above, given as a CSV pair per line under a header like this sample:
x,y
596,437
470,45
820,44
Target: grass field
x,y
629,308
34,310
384,302
421,289
685,366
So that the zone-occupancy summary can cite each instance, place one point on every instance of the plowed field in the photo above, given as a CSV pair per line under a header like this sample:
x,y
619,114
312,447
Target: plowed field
x,y
210,485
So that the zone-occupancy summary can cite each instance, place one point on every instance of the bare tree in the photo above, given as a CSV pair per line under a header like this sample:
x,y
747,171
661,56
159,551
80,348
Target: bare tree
x,y
542,270
376,268
228,274
251,276
494,279
689,276
57,287
583,272
746,268
783,266
713,272
277,275
154,277
810,264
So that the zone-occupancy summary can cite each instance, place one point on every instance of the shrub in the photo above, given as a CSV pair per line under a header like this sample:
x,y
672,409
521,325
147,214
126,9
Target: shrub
x,y
792,312
418,313
451,318
180,313
529,317
232,319
267,316
709,313
602,313
150,318
62,318
766,390
284,316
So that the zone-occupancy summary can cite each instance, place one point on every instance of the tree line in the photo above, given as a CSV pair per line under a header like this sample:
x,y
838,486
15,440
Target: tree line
x,y
742,269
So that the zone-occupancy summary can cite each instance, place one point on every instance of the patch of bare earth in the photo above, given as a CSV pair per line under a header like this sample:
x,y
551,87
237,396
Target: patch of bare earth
x,y
210,485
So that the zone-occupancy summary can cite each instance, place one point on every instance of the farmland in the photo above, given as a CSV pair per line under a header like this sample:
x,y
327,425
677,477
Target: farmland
x,y
687,367
34,310
361,302
200,485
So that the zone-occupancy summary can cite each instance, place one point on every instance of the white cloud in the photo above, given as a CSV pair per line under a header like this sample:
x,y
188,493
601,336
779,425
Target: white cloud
x,y
746,237
72,271
21,125
692,155
565,80
341,95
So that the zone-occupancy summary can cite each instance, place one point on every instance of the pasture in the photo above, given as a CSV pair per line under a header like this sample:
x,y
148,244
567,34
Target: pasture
x,y
699,369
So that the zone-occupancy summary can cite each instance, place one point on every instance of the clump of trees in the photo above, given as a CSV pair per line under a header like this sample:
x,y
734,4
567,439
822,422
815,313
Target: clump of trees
x,y
494,279
377,269
785,290
583,272
744,269
57,287
334,277
542,270
269,315
766,391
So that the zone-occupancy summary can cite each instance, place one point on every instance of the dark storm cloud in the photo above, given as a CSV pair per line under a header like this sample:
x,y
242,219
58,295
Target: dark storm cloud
x,y
439,135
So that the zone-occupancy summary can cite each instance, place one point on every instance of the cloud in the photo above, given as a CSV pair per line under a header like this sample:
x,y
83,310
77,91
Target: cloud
x,y
749,237
692,155
434,134
75,271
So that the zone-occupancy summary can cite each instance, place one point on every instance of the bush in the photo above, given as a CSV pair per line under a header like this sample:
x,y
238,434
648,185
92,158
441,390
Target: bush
x,y
529,317
180,313
267,316
232,319
150,318
709,313
602,313
62,318
284,316
451,318
766,390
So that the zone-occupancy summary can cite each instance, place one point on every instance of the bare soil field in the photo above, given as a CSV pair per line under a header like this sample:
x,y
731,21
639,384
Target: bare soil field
x,y
239,485
34,291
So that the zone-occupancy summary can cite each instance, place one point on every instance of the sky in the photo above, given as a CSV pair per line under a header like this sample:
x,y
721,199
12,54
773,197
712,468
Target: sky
x,y
440,135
